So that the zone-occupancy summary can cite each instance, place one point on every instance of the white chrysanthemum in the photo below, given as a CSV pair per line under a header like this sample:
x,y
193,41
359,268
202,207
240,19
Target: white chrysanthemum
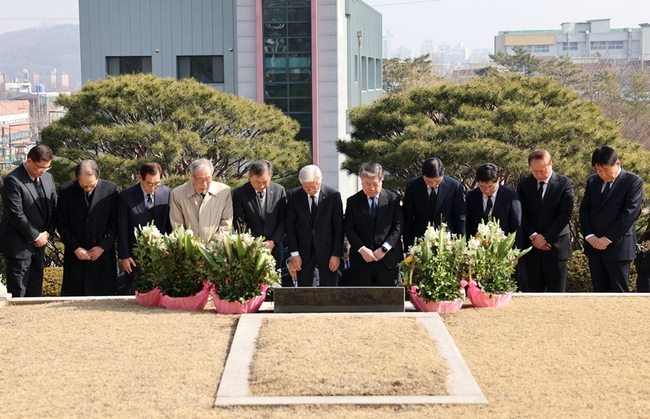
x,y
483,230
430,235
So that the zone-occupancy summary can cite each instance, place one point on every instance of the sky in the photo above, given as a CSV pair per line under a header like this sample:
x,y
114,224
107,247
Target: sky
x,y
471,22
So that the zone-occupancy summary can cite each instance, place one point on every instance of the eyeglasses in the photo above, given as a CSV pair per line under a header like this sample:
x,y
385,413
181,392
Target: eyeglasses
x,y
42,169
203,180
152,184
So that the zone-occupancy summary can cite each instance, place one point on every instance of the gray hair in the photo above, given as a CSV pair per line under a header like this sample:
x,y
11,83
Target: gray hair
x,y
370,170
260,167
87,168
310,173
200,164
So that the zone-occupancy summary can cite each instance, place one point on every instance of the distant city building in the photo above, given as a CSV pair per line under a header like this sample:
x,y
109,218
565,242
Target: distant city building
x,y
593,38
314,60
14,131
403,53
388,45
65,81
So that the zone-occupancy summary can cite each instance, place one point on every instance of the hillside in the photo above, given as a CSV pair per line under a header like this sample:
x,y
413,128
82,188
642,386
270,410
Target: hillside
x,y
39,50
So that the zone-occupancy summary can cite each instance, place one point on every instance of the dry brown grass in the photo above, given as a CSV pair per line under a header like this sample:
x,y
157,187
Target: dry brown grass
x,y
539,357
338,356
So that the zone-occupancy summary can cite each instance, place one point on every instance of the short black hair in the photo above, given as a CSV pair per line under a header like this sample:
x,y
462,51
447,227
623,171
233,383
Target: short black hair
x,y
150,168
260,167
604,156
39,153
487,172
433,167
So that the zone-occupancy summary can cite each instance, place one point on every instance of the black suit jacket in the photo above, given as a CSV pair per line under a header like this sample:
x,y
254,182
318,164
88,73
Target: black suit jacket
x,y
24,218
550,218
87,227
450,206
615,217
361,231
325,234
506,208
268,221
132,213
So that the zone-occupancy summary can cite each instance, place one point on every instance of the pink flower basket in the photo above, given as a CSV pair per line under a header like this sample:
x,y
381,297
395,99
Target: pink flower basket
x,y
152,298
482,299
442,307
235,307
194,303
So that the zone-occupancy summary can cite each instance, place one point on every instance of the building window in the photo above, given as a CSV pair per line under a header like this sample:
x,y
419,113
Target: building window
x,y
371,73
116,66
573,46
287,60
364,73
203,68
540,48
378,79
598,45
615,45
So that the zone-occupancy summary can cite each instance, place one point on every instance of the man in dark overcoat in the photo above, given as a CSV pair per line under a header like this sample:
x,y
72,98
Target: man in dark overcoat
x,y
87,224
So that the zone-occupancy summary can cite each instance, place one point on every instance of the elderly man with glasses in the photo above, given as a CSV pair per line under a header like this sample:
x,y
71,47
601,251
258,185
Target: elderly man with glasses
x,y
202,204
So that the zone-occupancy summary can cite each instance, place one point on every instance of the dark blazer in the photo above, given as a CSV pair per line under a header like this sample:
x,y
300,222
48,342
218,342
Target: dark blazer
x,y
450,206
615,217
87,227
506,208
361,231
268,221
24,218
326,234
132,212
550,218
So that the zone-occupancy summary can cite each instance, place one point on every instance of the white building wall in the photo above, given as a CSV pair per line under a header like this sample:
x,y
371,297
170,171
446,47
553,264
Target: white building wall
x,y
246,49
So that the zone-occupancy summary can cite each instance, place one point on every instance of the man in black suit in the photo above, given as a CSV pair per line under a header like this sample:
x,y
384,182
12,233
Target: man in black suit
x,y
432,198
314,226
87,224
547,204
138,205
491,201
29,209
259,205
608,213
373,226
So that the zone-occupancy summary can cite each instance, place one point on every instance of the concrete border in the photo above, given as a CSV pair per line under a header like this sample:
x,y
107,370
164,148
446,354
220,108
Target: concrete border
x,y
234,389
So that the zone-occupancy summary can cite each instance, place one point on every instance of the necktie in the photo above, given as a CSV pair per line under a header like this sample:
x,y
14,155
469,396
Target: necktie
x,y
149,201
39,188
433,196
540,190
88,198
203,195
605,192
261,195
488,207
373,208
314,207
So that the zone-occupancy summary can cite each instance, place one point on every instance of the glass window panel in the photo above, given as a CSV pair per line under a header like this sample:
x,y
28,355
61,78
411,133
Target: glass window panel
x,y
299,44
275,90
275,15
271,61
298,3
300,105
130,65
275,45
299,29
278,103
364,73
304,134
300,90
299,75
275,29
276,75
201,69
300,60
274,3
300,14
378,82
371,73
304,119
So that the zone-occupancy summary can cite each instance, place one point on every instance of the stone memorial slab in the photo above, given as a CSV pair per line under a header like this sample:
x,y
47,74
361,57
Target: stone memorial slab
x,y
338,299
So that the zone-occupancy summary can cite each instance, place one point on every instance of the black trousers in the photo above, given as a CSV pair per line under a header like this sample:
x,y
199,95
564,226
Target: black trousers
x,y
327,278
543,274
377,274
25,276
610,275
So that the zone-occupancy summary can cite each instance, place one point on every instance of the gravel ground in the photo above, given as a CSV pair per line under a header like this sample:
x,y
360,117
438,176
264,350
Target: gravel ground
x,y
539,357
